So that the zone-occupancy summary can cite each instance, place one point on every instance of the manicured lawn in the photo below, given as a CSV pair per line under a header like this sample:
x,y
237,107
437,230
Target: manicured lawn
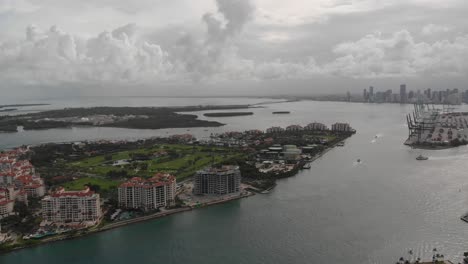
x,y
79,184
184,161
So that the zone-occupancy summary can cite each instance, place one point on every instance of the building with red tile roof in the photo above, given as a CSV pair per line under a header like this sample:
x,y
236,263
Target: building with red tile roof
x,y
34,186
72,206
6,207
148,194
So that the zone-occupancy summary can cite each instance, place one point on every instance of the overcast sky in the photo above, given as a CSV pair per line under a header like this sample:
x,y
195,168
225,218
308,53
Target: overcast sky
x,y
162,47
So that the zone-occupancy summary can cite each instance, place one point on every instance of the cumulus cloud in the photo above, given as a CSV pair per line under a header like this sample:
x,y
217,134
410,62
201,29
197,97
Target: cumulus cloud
x,y
432,29
53,56
123,55
399,55
16,6
216,53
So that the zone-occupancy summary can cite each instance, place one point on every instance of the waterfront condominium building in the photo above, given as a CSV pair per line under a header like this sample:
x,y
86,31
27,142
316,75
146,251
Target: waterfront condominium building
x,y
222,180
72,206
148,194
315,126
294,128
341,127
275,130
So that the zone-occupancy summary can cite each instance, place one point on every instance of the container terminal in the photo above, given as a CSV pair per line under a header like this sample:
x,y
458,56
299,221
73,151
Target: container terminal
x,y
436,128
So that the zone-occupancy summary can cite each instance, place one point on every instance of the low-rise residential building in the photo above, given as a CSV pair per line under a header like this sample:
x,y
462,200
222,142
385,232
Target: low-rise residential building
x,y
315,126
148,194
6,204
6,207
72,206
6,178
291,152
18,179
3,236
254,132
8,196
224,180
341,127
34,186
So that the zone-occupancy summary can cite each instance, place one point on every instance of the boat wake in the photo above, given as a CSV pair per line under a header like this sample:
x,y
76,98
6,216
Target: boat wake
x,y
358,163
377,136
454,157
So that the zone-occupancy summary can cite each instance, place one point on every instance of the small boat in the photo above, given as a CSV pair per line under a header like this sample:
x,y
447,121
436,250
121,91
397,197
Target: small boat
x,y
306,166
358,160
340,144
421,157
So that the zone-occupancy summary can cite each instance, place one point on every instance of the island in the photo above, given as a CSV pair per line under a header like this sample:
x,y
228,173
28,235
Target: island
x,y
176,169
226,114
122,117
21,105
8,110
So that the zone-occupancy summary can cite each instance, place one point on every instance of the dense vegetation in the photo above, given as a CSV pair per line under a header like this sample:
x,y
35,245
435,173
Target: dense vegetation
x,y
104,166
143,117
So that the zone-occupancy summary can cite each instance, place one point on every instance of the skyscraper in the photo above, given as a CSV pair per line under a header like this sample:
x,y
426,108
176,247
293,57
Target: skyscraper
x,y
371,94
403,96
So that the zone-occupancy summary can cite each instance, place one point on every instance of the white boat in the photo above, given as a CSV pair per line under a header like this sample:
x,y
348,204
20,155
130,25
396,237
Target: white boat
x,y
306,166
421,157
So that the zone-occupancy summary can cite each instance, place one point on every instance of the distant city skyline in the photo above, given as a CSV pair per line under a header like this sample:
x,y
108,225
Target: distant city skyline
x,y
447,96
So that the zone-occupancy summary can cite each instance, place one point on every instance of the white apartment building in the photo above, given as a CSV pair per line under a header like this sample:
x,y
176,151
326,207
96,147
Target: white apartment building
x,y
315,126
72,206
341,127
148,194
275,130
294,128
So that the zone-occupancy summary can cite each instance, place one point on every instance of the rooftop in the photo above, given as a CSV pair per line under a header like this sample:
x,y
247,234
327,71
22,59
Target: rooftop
x,y
219,170
159,179
62,193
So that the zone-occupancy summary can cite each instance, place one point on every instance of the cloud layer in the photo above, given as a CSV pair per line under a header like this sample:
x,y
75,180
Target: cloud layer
x,y
128,54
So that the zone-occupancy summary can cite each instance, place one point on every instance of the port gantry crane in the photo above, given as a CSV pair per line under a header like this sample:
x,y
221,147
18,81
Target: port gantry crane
x,y
416,122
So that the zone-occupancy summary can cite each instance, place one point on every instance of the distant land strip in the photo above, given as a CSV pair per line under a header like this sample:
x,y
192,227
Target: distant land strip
x,y
122,117
226,114
21,105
